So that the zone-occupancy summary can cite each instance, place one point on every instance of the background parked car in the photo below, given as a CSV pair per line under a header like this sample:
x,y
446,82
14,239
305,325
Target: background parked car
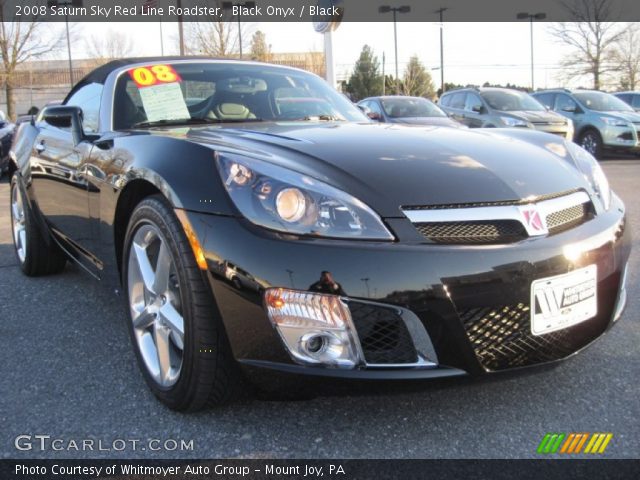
x,y
502,107
406,110
601,120
630,98
6,137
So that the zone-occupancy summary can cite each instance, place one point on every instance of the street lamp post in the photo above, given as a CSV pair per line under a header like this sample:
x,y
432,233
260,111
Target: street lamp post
x,y
395,10
229,6
67,3
531,17
440,11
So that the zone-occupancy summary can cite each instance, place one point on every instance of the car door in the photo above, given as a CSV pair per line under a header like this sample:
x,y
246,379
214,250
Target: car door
x,y
475,111
568,107
456,107
58,169
376,109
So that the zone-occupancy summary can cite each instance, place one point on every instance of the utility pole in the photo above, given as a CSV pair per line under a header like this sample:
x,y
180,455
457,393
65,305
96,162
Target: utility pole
x,y
440,11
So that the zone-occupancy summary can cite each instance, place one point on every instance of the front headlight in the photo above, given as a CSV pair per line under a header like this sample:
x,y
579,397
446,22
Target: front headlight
x,y
615,122
513,122
593,172
280,199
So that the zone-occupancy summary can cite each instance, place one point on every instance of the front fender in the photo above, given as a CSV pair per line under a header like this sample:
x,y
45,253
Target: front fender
x,y
183,171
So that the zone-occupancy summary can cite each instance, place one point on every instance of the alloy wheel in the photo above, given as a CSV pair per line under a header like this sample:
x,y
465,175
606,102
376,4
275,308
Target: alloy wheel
x,y
590,143
18,223
154,303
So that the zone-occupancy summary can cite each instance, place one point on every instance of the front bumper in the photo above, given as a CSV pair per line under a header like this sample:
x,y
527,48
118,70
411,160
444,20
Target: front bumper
x,y
627,137
561,130
449,289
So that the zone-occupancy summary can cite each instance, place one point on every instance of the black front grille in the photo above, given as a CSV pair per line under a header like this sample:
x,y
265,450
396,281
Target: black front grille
x,y
383,334
567,218
501,338
493,231
626,136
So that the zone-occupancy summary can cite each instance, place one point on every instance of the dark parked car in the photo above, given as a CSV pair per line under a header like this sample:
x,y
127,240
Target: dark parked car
x,y
406,110
6,137
362,252
630,98
503,107
601,121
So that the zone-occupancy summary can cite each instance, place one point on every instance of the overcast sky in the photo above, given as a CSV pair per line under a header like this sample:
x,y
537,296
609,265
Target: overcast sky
x,y
474,52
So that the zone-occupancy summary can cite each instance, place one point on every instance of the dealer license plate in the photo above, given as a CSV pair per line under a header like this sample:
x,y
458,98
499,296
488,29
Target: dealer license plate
x,y
564,300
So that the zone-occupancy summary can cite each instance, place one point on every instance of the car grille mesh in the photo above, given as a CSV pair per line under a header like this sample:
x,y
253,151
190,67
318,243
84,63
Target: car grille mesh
x,y
383,335
498,231
567,218
501,338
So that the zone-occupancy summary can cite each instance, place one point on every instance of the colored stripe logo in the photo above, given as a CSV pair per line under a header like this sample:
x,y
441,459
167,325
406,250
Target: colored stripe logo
x,y
569,443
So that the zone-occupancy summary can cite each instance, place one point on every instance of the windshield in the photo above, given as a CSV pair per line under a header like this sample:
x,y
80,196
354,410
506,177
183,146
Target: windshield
x,y
199,92
602,102
511,101
403,107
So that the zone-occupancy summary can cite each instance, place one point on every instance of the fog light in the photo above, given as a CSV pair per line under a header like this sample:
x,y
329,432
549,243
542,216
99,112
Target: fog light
x,y
315,328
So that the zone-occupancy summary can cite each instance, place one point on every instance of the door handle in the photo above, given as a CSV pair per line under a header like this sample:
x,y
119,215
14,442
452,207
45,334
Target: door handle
x,y
40,147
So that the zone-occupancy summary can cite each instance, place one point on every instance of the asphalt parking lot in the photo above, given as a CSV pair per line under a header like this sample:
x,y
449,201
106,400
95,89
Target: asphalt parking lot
x,y
68,371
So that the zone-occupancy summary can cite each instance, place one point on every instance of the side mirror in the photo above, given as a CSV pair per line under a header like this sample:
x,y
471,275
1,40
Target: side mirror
x,y
569,109
66,117
374,116
477,108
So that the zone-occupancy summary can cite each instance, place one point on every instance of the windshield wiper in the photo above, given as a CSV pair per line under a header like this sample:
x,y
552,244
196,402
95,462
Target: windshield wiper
x,y
192,121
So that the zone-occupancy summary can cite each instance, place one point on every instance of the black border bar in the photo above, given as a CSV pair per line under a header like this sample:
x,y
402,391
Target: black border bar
x,y
303,10
566,469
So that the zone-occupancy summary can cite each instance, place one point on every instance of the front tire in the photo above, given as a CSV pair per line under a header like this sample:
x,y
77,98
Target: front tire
x,y
37,255
591,141
175,327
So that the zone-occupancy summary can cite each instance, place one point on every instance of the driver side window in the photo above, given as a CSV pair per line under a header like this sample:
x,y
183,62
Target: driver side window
x,y
565,103
88,99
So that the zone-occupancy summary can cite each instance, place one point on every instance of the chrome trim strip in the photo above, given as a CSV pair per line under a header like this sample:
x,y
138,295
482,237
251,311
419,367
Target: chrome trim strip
x,y
501,212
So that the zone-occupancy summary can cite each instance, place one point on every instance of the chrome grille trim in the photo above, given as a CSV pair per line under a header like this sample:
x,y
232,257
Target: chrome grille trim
x,y
544,208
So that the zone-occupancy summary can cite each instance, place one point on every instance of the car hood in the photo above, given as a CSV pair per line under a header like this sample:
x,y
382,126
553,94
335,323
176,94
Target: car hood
x,y
626,116
390,166
443,121
535,116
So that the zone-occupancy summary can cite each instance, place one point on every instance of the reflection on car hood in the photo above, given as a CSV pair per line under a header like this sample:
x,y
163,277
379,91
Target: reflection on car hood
x,y
444,121
389,166
538,116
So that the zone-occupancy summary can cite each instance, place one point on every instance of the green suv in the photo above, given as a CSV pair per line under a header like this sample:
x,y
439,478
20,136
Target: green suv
x,y
503,107
601,120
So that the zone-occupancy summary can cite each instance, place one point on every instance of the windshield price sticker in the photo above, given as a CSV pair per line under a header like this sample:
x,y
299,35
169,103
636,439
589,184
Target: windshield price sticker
x,y
160,92
153,75
164,102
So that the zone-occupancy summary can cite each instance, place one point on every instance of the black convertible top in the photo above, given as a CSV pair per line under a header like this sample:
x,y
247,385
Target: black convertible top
x,y
100,74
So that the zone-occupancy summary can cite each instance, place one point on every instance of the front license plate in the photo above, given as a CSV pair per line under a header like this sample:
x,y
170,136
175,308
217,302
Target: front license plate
x,y
564,300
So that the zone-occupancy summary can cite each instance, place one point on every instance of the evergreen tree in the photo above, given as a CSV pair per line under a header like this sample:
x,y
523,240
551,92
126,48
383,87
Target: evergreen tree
x,y
260,51
366,80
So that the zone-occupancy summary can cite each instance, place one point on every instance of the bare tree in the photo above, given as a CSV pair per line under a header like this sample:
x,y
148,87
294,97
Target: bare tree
x,y
20,42
109,46
417,80
592,37
216,39
627,57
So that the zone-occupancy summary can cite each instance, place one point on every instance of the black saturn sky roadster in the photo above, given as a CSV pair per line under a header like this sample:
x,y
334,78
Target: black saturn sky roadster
x,y
264,231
